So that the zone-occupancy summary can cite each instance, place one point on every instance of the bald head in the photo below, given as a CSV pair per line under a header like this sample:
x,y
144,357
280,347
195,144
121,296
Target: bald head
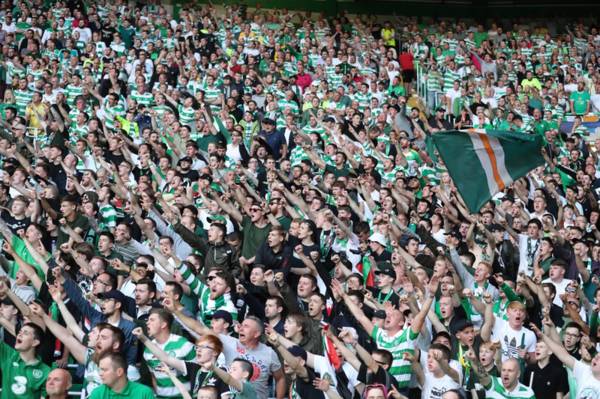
x,y
452,394
58,383
510,373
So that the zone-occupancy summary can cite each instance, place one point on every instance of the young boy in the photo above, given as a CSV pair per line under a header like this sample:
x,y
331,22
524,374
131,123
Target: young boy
x,y
238,378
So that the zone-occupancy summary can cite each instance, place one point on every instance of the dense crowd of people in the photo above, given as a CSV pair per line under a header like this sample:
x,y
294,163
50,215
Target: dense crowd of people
x,y
232,203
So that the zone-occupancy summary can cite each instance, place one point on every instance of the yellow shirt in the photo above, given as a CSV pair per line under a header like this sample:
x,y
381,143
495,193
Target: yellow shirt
x,y
32,111
388,36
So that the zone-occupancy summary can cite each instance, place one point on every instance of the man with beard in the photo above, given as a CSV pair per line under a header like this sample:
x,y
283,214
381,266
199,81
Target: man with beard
x,y
102,339
113,305
188,174
212,296
145,293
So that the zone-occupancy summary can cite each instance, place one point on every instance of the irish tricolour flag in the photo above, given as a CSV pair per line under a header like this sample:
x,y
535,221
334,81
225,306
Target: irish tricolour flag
x,y
483,163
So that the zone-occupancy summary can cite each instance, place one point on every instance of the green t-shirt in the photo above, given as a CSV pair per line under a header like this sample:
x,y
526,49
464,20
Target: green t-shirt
x,y
205,140
20,249
497,391
80,222
131,390
253,237
580,102
344,172
285,222
21,380
248,392
402,341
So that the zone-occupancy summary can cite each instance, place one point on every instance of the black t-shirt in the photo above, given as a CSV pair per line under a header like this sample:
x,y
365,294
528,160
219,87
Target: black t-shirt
x,y
549,380
295,262
15,224
113,158
305,388
381,297
380,377
58,176
190,176
199,379
383,257
273,261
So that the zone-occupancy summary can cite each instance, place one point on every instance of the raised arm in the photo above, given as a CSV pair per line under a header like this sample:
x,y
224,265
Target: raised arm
x,y
366,323
227,378
445,366
190,322
8,326
164,368
349,356
559,350
76,348
70,321
229,208
292,361
482,374
25,267
160,354
419,319
488,317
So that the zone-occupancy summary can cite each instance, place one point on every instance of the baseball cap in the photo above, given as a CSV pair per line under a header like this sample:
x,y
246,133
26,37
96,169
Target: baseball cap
x,y
221,314
379,314
388,271
454,233
217,219
462,324
114,294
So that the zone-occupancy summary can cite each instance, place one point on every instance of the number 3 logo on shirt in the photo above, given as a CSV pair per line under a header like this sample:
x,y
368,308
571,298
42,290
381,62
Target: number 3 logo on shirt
x,y
19,387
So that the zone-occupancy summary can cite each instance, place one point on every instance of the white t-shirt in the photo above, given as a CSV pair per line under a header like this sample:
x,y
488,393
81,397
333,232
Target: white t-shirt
x,y
454,364
435,387
324,369
528,248
588,386
453,94
595,100
560,289
512,340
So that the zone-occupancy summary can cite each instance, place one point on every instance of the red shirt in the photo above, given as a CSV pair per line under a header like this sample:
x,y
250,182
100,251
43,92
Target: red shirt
x,y
303,81
406,61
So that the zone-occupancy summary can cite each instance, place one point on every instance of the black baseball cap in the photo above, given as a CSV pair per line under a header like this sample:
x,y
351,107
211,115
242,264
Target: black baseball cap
x,y
221,314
